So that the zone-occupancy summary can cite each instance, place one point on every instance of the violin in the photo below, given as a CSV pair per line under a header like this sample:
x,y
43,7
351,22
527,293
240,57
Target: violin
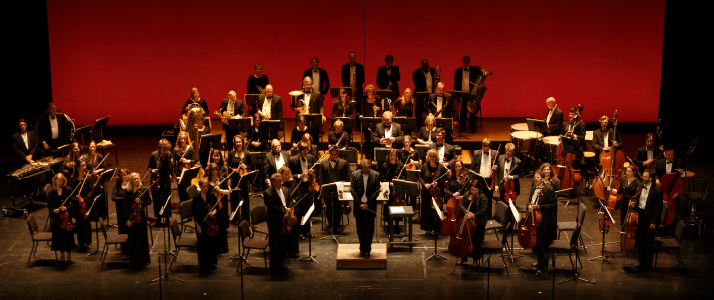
x,y
82,213
435,192
460,244
628,236
493,171
509,193
135,215
528,226
64,216
675,186
292,219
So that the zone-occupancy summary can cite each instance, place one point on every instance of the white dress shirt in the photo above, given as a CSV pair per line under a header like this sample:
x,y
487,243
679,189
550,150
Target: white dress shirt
x,y
364,196
280,194
642,203
485,164
465,81
54,127
429,87
266,106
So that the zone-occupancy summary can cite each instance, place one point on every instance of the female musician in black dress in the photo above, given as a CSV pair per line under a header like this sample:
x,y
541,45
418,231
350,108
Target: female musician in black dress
x,y
62,240
427,134
550,178
373,105
204,204
93,160
430,171
162,169
299,131
194,97
408,154
390,170
257,81
83,226
257,134
118,192
136,194
628,188
343,108
293,247
219,188
184,157
457,180
239,158
405,104
71,161
217,158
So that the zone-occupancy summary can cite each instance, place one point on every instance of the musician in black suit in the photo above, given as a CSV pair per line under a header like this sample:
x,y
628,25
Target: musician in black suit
x,y
604,139
425,80
24,143
553,117
234,107
441,102
270,105
477,207
332,170
277,198
667,165
315,105
274,160
578,132
300,167
506,163
464,79
446,152
649,210
549,209
482,164
388,133
365,189
52,129
160,165
353,75
649,153
388,75
195,97
319,77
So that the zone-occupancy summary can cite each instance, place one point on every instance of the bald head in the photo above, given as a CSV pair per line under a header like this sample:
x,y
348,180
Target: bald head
x,y
550,102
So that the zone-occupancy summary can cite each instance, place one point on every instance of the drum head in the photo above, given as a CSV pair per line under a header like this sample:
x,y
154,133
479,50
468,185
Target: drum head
x,y
519,127
552,140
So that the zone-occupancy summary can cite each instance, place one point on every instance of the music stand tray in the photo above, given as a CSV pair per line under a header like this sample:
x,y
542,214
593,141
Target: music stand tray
x,y
251,99
408,124
330,191
421,151
370,122
413,175
273,127
208,140
537,125
314,120
350,155
380,154
257,158
235,123
445,123
188,174
348,122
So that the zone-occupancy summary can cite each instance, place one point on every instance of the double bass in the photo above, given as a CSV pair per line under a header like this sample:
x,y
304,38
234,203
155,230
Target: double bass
x,y
612,162
631,220
674,184
566,160
452,212
528,226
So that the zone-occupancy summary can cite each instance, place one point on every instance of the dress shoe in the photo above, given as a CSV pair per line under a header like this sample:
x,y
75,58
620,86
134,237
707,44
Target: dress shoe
x,y
291,255
302,237
366,255
361,254
473,130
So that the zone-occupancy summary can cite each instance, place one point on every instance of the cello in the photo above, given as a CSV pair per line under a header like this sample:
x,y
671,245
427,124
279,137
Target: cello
x,y
453,214
460,244
569,159
628,236
612,161
528,226
675,186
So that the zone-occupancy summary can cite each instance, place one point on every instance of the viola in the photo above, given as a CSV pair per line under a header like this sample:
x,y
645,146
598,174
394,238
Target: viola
x,y
528,226
460,244
289,222
628,235
675,186
435,191
346,208
66,223
82,205
212,226
155,177
135,215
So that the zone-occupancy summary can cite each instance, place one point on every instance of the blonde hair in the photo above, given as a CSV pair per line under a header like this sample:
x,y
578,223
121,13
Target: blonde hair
x,y
178,139
430,118
369,88
130,186
411,97
57,177
432,152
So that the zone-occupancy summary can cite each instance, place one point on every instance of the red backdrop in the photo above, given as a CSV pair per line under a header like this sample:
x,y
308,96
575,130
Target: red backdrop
x,y
137,60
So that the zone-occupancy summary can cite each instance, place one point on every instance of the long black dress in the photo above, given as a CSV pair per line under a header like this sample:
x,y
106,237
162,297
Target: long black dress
x,y
190,155
118,197
138,235
428,214
222,220
100,208
207,244
628,190
233,162
259,134
83,227
62,240
479,208
254,82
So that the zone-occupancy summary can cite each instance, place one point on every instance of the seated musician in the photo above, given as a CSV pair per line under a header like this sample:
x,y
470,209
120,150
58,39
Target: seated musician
x,y
310,102
649,209
482,164
408,154
427,134
343,107
71,161
464,79
307,138
372,105
270,105
548,206
648,154
257,82
668,164
365,190
195,99
441,106
431,170
204,206
257,134
554,117
160,167
477,205
301,165
392,168
388,76
53,129
628,188
24,143
388,134
605,138
277,197
504,165
299,130
231,107
573,131
405,104
334,136
446,151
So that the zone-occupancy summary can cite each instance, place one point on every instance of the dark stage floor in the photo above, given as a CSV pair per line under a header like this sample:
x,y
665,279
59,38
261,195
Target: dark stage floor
x,y
407,276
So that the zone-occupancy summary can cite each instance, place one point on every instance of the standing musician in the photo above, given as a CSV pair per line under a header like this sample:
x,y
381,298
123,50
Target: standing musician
x,y
353,76
649,210
184,157
277,197
425,79
573,131
300,166
628,188
219,188
343,107
388,133
118,192
457,179
667,165
160,164
310,102
404,106
71,161
274,160
332,170
372,105
504,164
257,134
464,79
441,106
319,77
258,82
195,98
83,181
365,189
299,131
553,117
388,171
334,136
24,143
388,76
603,137
270,105
138,235
53,130
203,205
482,165
62,240
430,171
549,177
93,160
477,212
231,106
427,134
293,247
549,209
446,151
239,158
649,153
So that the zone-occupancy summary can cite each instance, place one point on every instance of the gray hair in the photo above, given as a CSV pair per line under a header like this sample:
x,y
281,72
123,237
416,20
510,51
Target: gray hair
x,y
365,163
276,175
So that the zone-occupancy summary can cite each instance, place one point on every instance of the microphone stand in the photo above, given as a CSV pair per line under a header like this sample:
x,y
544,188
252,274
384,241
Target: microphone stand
x,y
166,252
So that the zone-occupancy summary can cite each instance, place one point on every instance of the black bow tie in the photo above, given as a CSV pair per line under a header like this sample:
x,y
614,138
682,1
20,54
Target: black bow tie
x,y
307,93
52,118
314,71
334,161
304,160
669,162
466,69
508,161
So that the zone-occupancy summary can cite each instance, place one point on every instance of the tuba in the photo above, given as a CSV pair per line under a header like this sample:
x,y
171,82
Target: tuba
x,y
478,91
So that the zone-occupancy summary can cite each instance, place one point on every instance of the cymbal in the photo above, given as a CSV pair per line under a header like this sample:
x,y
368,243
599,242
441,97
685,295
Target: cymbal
x,y
296,93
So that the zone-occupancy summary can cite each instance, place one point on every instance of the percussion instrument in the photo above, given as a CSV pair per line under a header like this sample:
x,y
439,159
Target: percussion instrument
x,y
519,127
525,141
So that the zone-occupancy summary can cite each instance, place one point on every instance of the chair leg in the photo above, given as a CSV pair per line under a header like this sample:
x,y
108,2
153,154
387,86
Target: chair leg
x,y
583,243
656,254
496,232
504,261
575,266
34,243
679,257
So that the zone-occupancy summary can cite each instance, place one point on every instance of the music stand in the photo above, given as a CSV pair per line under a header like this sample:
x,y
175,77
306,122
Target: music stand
x,y
380,155
208,140
235,123
421,151
105,177
313,120
62,151
188,174
350,155
329,191
407,189
273,128
82,131
251,99
541,127
348,123
439,216
305,219
408,124
445,123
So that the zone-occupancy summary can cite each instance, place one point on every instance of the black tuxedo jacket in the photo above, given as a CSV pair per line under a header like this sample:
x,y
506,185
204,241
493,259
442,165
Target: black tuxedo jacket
x,y
556,121
397,134
579,130
383,79
661,166
239,108
357,189
449,110
474,72
652,213
21,151
641,156
276,107
317,105
44,130
476,162
449,151
275,206
328,174
548,205
359,80
269,167
324,80
420,80
598,140
515,162
201,102
296,170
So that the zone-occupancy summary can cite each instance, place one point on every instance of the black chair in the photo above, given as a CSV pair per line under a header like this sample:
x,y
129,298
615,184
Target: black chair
x,y
180,241
570,226
671,243
37,236
695,219
110,239
187,215
660,230
491,247
259,219
249,243
498,218
569,246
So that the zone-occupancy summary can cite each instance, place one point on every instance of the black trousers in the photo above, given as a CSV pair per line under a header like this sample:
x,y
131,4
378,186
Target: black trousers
x,y
464,114
545,236
644,242
278,244
365,229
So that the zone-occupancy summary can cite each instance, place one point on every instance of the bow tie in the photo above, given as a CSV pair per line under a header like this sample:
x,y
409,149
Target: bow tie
x,y
314,71
466,69
508,161
307,93
304,160
669,162
332,160
52,118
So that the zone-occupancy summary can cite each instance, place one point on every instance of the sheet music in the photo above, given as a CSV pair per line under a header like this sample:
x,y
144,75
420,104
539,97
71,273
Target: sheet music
x,y
307,215
437,208
343,191
396,209
383,191
514,211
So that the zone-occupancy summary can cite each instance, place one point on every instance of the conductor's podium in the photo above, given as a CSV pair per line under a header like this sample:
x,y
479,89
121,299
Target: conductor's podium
x,y
348,257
